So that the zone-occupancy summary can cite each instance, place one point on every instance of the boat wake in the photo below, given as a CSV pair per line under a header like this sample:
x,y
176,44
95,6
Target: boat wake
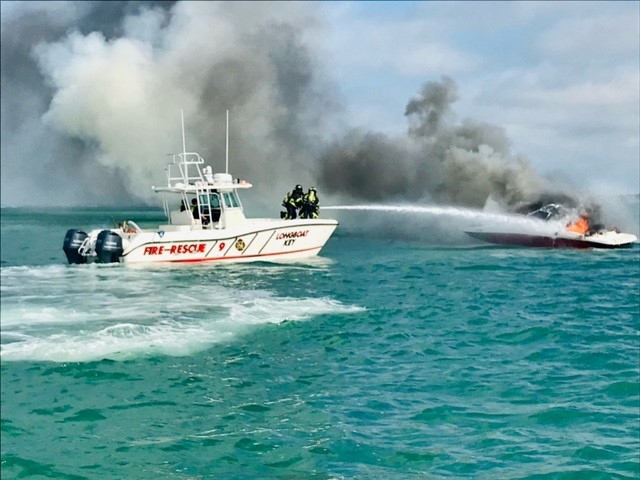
x,y
69,314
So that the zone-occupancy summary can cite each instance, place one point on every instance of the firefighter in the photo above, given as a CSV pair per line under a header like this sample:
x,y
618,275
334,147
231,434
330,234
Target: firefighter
x,y
194,209
290,204
310,204
298,196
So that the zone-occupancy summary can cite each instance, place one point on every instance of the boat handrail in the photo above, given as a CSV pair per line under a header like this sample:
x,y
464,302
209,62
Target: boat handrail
x,y
185,174
131,225
187,157
204,205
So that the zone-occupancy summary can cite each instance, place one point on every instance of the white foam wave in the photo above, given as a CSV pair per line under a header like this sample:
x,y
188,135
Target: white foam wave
x,y
127,340
92,314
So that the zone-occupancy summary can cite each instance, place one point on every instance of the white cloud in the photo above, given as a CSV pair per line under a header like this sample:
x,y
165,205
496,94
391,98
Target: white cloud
x,y
434,59
404,46
621,90
584,38
554,86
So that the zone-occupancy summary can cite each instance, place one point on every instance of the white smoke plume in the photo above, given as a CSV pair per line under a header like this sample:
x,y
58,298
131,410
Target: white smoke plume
x,y
103,104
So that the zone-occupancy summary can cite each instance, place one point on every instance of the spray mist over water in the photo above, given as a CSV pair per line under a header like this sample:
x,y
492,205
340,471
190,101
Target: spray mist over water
x,y
441,224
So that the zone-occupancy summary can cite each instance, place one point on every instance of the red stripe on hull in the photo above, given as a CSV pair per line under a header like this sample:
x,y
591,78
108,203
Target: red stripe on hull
x,y
222,259
523,240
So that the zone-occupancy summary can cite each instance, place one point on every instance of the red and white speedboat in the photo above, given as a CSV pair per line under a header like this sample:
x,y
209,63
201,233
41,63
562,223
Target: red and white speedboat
x,y
560,239
205,223
553,234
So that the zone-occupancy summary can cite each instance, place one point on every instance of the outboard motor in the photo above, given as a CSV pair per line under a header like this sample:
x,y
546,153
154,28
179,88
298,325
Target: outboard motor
x,y
72,242
108,247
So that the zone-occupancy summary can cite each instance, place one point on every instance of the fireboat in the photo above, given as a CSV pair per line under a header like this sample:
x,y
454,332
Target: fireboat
x,y
205,223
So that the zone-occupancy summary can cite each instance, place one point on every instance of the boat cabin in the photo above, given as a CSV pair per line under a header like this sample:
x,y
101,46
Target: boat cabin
x,y
195,198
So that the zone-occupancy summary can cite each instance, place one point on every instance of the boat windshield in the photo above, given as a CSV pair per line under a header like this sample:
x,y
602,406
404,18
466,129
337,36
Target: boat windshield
x,y
547,212
231,200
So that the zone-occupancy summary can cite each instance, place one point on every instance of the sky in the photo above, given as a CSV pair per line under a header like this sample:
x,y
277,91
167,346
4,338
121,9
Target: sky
x,y
435,102
562,78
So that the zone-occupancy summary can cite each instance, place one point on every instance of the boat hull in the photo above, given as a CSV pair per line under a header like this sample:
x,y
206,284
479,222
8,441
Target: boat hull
x,y
599,240
257,241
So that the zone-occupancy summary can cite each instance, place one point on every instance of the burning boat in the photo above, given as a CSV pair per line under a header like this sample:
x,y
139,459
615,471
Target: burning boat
x,y
548,231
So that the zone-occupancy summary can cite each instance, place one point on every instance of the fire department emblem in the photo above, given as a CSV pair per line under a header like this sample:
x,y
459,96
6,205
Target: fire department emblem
x,y
240,245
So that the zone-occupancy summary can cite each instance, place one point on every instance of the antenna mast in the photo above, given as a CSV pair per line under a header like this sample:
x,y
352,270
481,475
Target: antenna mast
x,y
184,143
227,146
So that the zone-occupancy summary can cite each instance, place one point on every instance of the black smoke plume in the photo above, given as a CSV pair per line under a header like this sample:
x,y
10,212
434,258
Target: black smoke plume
x,y
439,160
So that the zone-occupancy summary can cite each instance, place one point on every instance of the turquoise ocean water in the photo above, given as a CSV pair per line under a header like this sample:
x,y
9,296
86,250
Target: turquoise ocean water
x,y
384,358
